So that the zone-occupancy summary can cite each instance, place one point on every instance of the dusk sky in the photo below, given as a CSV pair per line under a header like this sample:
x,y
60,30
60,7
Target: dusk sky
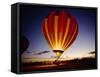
x,y
30,22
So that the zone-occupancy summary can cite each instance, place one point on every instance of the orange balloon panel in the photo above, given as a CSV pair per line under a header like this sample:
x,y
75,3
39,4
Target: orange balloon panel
x,y
60,29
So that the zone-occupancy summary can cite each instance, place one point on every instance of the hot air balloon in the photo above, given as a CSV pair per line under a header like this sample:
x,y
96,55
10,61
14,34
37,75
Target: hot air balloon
x,y
60,30
24,44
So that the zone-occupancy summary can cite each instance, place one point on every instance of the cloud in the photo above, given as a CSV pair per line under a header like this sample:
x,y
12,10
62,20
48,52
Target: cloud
x,y
43,52
93,52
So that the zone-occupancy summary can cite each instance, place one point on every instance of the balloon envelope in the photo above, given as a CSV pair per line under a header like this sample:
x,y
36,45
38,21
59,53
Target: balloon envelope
x,y
60,30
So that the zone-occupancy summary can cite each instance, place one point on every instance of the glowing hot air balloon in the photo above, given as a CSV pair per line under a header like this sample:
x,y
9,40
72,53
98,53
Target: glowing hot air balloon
x,y
60,30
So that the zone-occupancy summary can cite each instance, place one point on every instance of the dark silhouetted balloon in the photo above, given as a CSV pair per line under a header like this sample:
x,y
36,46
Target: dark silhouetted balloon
x,y
24,43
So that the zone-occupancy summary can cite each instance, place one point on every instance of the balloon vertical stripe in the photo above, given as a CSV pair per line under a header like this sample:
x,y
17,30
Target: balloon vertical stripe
x,y
66,32
47,33
71,39
55,30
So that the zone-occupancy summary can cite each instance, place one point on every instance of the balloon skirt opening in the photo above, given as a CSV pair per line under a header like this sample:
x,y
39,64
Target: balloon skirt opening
x,y
58,52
